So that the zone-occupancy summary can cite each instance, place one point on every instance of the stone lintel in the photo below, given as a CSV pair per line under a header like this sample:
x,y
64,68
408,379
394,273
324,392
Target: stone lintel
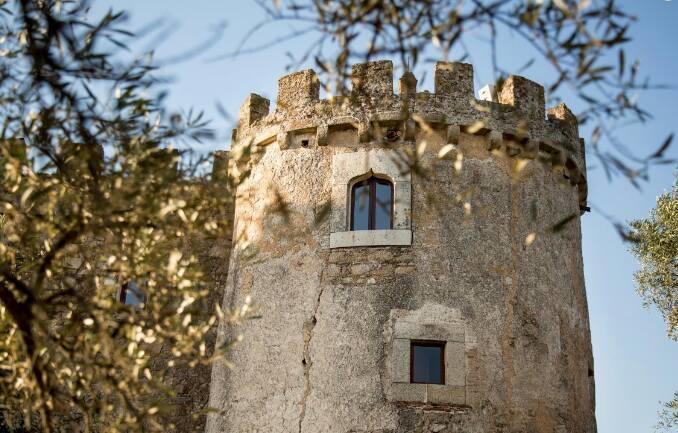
x,y
439,331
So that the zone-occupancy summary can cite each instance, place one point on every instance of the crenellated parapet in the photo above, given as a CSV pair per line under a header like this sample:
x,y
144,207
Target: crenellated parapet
x,y
517,123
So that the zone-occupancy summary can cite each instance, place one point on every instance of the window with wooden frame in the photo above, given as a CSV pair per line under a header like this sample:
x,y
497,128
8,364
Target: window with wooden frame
x,y
427,362
372,204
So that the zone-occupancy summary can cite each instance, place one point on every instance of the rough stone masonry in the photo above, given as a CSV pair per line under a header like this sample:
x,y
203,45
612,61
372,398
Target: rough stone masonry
x,y
483,257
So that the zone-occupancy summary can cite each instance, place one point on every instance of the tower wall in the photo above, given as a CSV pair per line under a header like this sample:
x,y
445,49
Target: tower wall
x,y
477,259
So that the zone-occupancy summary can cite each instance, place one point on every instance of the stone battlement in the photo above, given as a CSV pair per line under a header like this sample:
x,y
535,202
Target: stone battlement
x,y
518,122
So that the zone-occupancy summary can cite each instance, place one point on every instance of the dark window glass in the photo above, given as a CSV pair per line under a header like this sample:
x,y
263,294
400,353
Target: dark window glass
x,y
372,205
383,206
131,294
361,207
427,362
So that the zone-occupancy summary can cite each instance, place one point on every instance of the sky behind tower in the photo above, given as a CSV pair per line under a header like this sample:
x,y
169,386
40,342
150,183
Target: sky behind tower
x,y
635,364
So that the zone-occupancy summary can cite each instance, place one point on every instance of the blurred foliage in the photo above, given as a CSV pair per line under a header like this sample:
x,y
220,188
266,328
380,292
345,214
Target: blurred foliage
x,y
92,197
583,41
668,416
656,246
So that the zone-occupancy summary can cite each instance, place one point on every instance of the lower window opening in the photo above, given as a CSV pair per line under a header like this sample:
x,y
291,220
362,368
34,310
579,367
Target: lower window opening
x,y
427,362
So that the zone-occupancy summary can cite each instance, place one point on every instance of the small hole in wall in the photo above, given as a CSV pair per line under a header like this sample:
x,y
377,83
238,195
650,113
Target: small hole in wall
x,y
590,372
392,135
303,361
304,143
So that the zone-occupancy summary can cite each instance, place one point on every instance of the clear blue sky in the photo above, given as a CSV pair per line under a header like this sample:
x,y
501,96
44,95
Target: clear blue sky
x,y
635,364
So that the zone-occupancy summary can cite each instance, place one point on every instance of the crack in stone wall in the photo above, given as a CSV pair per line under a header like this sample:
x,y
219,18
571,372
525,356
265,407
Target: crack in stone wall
x,y
309,326
508,336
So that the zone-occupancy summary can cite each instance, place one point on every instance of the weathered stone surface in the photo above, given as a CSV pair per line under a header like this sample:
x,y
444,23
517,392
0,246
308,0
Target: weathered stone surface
x,y
370,238
253,109
429,331
414,392
455,363
325,355
526,96
445,394
298,89
401,360
454,80
372,80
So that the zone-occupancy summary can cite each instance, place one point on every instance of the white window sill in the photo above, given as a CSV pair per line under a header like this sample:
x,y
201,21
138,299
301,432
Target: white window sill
x,y
371,238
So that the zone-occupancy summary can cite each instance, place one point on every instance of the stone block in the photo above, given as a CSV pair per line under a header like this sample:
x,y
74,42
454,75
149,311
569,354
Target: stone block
x,y
402,205
455,363
283,139
445,394
321,134
254,108
562,113
298,90
454,80
372,79
526,97
338,220
401,360
407,86
408,392
565,120
266,135
429,331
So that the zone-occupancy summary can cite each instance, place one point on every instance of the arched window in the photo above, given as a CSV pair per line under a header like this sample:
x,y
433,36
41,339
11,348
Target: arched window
x,y
372,204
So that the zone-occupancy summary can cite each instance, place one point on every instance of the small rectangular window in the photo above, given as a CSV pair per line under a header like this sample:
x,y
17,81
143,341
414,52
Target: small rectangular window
x,y
131,294
427,362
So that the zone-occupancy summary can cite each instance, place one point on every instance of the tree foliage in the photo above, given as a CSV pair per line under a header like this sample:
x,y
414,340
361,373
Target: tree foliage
x,y
93,197
668,416
656,246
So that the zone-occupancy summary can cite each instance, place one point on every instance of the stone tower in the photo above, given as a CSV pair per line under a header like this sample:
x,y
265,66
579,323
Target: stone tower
x,y
456,303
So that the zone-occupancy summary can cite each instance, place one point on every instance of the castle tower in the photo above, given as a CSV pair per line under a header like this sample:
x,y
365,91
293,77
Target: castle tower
x,y
416,259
